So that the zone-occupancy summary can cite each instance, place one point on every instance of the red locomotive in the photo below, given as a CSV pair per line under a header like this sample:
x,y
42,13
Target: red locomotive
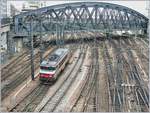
x,y
51,68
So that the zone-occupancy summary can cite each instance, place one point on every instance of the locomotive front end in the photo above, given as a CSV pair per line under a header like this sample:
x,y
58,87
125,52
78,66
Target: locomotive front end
x,y
47,73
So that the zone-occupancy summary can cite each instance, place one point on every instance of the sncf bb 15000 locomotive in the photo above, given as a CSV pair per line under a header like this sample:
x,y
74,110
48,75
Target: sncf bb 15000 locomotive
x,y
51,68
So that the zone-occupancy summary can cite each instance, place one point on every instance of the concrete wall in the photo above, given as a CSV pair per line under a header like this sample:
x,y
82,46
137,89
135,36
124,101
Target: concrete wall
x,y
18,44
3,40
4,36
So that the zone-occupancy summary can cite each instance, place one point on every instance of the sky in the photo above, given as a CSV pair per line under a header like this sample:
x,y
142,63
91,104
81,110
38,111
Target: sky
x,y
138,5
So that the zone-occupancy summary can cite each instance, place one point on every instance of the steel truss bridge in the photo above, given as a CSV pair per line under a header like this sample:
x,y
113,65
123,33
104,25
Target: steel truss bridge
x,y
105,17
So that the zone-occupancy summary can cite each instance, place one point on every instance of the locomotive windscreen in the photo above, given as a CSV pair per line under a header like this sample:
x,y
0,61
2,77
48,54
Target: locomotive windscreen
x,y
47,68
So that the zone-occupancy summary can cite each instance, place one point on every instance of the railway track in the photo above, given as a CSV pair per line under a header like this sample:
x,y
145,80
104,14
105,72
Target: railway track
x,y
142,96
118,98
145,42
84,93
31,101
134,77
140,51
89,87
11,64
19,68
20,77
142,54
123,71
144,65
92,95
110,73
17,80
12,67
54,101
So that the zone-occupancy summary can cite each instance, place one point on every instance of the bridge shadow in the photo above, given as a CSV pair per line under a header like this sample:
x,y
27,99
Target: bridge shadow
x,y
86,40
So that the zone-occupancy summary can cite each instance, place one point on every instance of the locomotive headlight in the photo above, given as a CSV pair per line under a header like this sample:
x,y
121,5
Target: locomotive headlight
x,y
51,75
41,75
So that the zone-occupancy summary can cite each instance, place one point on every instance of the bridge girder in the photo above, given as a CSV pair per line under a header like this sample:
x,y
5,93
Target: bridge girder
x,y
81,16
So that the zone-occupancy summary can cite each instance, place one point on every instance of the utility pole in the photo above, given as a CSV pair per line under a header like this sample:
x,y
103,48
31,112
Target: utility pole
x,y
149,18
32,49
148,30
41,45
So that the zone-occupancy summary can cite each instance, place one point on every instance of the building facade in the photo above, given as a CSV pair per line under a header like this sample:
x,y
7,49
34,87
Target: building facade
x,y
3,9
13,11
32,5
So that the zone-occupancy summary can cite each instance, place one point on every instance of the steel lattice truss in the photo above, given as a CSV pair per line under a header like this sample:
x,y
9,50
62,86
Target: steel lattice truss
x,y
80,16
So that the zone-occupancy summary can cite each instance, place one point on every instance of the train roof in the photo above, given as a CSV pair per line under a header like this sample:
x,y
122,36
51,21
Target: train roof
x,y
55,57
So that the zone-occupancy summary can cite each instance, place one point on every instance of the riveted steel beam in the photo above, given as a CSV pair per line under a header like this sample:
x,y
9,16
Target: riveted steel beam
x,y
95,15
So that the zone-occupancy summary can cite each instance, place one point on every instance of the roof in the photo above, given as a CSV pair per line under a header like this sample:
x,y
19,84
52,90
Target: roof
x,y
55,57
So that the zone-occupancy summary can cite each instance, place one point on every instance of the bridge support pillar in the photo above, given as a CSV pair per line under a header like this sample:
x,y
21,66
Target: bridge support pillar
x,y
10,44
60,35
57,34
135,34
